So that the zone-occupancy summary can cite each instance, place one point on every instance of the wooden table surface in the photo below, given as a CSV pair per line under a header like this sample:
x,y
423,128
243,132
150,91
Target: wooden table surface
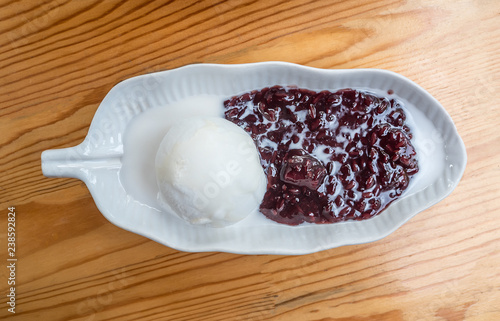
x,y
59,58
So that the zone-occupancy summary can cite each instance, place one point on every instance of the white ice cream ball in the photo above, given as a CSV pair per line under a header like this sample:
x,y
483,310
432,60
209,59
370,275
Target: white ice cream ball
x,y
208,172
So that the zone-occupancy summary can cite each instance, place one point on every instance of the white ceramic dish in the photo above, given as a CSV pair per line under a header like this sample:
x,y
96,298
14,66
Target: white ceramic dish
x,y
98,159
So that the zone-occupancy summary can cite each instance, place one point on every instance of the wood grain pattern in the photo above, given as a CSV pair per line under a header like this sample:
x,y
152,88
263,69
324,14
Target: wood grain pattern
x,y
59,58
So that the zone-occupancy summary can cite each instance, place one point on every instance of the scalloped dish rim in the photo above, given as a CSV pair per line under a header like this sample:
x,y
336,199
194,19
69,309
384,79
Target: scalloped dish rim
x,y
97,160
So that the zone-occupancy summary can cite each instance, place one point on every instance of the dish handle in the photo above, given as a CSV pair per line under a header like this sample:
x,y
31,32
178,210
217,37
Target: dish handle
x,y
78,162
65,162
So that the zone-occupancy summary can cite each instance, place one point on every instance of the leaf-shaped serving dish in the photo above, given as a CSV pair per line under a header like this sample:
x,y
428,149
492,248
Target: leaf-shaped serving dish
x,y
98,160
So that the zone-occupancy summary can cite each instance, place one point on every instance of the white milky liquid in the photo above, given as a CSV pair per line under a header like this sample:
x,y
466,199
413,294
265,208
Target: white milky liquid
x,y
427,141
146,131
144,135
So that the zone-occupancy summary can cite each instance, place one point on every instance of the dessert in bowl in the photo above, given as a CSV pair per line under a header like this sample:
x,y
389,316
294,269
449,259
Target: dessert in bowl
x,y
117,159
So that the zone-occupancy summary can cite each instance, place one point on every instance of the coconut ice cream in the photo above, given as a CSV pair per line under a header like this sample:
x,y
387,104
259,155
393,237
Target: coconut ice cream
x,y
208,172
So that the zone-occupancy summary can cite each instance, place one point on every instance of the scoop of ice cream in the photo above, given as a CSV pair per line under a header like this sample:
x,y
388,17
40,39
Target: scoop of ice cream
x,y
208,172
